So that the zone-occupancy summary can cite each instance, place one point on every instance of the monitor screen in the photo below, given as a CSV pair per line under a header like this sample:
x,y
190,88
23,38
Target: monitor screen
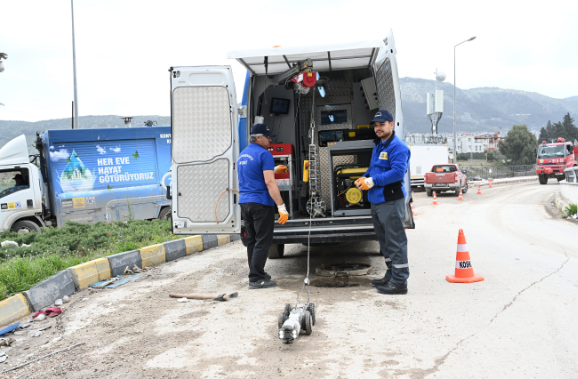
x,y
279,106
333,117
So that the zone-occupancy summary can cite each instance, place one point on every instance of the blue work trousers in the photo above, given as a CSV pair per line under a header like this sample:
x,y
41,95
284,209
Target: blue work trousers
x,y
388,224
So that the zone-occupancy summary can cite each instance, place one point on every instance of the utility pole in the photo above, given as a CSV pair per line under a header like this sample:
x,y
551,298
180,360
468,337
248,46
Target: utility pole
x,y
455,143
74,68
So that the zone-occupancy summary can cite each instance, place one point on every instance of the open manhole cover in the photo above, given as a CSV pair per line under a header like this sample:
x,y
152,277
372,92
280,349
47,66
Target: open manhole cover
x,y
343,269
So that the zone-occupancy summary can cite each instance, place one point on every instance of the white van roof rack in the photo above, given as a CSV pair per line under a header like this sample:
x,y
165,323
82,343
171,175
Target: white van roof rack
x,y
325,57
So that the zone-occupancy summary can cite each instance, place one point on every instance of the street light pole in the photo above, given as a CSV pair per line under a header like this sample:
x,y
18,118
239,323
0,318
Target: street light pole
x,y
455,138
74,68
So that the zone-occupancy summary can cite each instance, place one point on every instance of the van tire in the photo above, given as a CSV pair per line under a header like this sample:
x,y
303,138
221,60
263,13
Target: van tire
x,y
26,226
276,251
165,214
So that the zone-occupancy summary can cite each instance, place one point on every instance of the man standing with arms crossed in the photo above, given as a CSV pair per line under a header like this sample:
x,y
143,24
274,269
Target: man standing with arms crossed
x,y
384,181
259,194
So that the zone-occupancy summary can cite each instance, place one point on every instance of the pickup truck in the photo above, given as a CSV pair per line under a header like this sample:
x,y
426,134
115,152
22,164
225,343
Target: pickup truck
x,y
446,177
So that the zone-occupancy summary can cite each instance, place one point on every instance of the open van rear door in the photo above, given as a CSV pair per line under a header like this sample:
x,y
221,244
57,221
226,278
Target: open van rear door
x,y
204,150
389,93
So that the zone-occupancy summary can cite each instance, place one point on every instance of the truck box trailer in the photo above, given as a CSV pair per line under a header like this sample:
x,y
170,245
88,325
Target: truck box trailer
x,y
423,157
85,175
315,99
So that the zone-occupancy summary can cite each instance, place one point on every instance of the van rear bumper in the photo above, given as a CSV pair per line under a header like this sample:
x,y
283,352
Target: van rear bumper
x,y
324,238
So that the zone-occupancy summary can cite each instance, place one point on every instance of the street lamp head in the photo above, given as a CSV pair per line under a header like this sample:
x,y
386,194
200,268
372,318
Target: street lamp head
x,y
471,39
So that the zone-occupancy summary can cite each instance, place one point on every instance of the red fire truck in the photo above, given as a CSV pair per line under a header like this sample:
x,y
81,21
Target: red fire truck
x,y
553,158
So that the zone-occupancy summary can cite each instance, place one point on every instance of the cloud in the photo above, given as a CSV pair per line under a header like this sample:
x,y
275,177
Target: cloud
x,y
58,155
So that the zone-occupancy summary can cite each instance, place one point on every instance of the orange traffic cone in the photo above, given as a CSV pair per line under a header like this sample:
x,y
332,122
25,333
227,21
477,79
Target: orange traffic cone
x,y
464,270
412,211
479,190
435,202
491,186
461,198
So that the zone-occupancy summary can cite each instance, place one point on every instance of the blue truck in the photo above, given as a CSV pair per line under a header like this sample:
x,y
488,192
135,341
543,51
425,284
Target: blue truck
x,y
85,175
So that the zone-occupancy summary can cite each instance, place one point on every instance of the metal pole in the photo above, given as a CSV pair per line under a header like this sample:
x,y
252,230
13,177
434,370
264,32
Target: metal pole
x,y
455,139
74,68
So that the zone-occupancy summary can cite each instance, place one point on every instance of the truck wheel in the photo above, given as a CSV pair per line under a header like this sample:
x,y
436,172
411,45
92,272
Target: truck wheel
x,y
543,179
165,214
26,226
429,192
276,251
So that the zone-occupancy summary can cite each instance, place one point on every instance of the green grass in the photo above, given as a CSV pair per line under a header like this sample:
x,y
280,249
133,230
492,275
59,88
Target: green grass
x,y
571,210
56,249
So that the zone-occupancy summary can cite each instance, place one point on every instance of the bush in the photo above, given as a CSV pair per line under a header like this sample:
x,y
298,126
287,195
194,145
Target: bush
x,y
58,248
571,210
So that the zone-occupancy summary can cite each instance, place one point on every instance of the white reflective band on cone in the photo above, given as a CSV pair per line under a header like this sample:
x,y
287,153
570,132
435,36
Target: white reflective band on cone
x,y
401,266
462,248
463,264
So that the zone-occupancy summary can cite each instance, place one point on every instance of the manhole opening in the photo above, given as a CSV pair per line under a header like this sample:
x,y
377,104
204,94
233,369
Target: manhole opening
x,y
343,269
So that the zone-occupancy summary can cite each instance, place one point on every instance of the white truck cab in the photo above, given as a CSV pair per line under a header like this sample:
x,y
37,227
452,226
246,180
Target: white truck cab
x,y
319,101
21,189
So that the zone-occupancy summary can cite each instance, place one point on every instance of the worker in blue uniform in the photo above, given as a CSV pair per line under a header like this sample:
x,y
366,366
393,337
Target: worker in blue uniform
x,y
259,194
386,193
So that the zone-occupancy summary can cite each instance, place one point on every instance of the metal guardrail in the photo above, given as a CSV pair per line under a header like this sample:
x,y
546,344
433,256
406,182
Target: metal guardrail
x,y
571,175
496,172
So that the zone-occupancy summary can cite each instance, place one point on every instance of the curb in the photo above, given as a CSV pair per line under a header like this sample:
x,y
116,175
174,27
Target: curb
x,y
560,203
79,277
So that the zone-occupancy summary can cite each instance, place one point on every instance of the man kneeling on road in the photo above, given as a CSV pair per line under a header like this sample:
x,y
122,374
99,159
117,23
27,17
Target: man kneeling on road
x,y
259,195
384,181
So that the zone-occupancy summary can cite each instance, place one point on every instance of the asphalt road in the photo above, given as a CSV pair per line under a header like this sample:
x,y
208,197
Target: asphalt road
x,y
518,323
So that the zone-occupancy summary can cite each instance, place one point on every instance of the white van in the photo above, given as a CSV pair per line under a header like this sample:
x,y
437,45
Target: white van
x,y
326,123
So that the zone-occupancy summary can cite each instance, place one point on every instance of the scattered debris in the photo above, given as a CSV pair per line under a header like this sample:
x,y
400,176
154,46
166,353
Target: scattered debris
x,y
7,341
183,300
205,296
9,329
50,312
40,317
9,244
114,282
44,356
46,327
58,302
34,333
66,299
24,326
3,358
132,271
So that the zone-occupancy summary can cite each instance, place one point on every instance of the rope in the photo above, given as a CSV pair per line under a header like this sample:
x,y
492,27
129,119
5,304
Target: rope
x,y
219,198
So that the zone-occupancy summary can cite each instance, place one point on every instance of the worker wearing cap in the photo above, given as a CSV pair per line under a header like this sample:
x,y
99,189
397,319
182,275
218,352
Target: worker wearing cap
x,y
386,193
259,195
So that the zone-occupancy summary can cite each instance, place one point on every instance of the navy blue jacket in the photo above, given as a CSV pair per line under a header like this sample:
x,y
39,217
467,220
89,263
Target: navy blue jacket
x,y
389,161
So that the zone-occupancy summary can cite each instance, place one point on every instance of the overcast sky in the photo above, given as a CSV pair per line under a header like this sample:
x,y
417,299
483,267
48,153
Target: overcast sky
x,y
124,48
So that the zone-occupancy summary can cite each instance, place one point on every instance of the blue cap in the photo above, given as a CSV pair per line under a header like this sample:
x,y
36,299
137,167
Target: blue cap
x,y
262,129
382,116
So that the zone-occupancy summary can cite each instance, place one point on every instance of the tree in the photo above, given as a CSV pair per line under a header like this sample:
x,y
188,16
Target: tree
x,y
564,129
518,146
546,132
570,130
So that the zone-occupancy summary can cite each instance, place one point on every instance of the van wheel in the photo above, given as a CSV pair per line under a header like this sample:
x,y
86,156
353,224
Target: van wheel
x,y
165,214
276,251
26,226
429,192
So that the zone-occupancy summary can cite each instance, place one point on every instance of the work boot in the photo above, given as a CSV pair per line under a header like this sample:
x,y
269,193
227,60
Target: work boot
x,y
380,282
392,289
261,284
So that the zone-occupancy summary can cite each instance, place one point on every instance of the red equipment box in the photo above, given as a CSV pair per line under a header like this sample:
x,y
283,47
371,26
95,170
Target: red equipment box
x,y
281,149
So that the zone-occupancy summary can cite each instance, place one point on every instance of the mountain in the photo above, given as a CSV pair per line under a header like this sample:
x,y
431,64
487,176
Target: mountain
x,y
11,129
572,98
481,109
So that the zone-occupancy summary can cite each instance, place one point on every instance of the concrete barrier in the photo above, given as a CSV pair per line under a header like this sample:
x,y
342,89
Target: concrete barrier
x,y
210,241
175,249
13,309
153,255
87,273
118,262
223,239
194,244
53,288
